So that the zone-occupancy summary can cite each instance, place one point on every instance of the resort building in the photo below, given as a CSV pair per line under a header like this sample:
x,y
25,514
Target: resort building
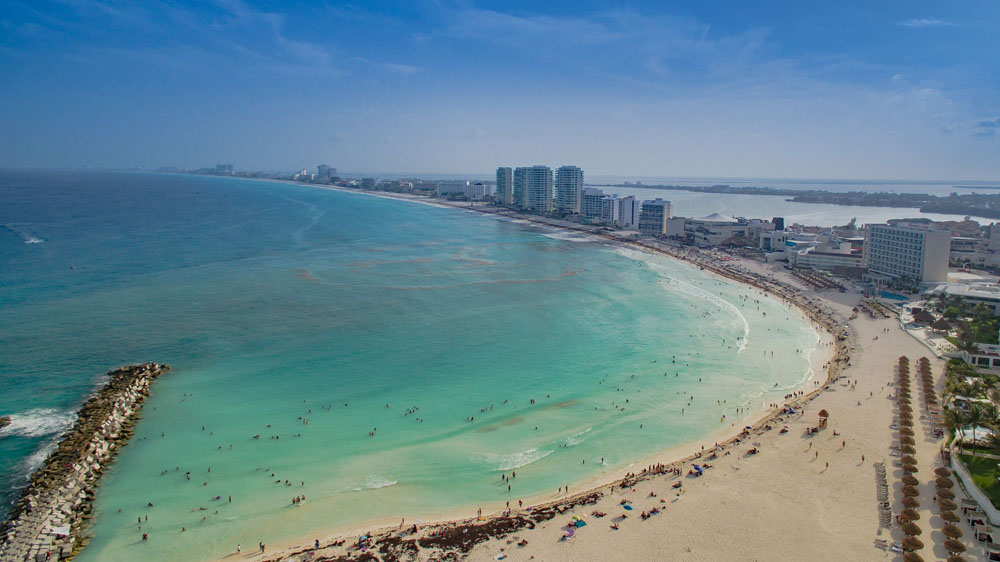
x,y
904,250
533,189
653,217
325,172
478,191
973,293
591,203
609,209
812,258
569,189
628,213
452,187
505,188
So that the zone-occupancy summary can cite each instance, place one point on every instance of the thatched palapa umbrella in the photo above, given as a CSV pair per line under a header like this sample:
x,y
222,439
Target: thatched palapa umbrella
x,y
957,558
910,491
909,459
912,543
912,557
942,471
952,532
906,431
906,422
908,449
943,482
907,440
946,494
950,516
951,545
947,505
910,468
912,529
909,480
910,514
911,502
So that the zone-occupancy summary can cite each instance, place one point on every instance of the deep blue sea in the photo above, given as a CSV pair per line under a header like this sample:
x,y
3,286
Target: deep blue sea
x,y
394,358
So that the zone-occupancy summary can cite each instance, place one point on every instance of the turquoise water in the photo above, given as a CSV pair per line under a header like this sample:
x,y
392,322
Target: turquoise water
x,y
279,305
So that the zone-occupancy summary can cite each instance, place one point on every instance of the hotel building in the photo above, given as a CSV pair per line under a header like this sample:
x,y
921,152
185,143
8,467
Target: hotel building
x,y
906,250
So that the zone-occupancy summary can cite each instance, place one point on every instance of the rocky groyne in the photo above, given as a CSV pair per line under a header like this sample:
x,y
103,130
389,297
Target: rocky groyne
x,y
47,521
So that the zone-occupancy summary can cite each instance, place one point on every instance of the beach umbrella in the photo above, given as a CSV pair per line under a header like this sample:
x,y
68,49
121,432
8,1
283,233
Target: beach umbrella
x,y
950,516
957,558
947,505
911,502
943,482
910,480
906,431
904,409
910,491
912,543
951,545
912,557
908,449
906,422
946,493
908,459
910,514
912,529
910,468
942,471
952,532
907,440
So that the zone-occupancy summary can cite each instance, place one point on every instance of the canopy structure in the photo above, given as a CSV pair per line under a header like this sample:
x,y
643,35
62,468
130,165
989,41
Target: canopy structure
x,y
952,532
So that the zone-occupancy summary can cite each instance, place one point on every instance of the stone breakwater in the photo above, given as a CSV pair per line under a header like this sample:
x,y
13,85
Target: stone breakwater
x,y
48,520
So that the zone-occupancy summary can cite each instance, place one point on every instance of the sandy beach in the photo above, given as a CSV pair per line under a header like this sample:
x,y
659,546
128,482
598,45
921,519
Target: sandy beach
x,y
801,495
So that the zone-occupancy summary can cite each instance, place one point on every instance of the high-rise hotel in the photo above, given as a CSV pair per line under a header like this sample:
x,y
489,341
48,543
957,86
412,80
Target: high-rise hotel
x,y
531,188
505,187
569,189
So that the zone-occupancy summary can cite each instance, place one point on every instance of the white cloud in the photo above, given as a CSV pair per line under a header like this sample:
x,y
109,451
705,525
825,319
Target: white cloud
x,y
917,23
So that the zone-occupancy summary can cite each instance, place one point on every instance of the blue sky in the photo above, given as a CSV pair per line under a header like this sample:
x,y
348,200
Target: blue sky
x,y
893,90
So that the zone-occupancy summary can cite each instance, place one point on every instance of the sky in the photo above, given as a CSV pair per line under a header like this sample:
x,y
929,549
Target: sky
x,y
877,90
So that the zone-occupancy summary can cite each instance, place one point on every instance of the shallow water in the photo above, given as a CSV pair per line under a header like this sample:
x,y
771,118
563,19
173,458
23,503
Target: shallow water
x,y
279,305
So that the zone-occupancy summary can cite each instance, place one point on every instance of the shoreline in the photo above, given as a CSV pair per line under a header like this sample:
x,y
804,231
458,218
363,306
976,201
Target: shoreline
x,y
672,458
52,512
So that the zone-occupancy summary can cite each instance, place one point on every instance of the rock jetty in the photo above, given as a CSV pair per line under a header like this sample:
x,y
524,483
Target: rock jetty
x,y
4,421
47,521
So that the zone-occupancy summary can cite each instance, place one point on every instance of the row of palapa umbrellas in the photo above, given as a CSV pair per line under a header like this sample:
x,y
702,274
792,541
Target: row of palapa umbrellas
x,y
942,480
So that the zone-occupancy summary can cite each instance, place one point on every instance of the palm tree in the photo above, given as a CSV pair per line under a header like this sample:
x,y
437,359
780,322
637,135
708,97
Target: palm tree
x,y
974,418
955,418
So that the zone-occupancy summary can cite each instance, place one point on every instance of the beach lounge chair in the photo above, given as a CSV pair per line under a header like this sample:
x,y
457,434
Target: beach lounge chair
x,y
993,552
984,533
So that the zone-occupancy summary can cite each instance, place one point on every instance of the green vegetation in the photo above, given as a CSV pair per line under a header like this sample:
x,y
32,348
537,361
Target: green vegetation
x,y
984,474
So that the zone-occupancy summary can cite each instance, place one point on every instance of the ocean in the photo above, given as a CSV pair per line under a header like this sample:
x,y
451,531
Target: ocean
x,y
383,358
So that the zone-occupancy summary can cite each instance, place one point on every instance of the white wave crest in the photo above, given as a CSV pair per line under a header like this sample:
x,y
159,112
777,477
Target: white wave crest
x,y
39,422
376,482
516,460
576,438
698,292
570,237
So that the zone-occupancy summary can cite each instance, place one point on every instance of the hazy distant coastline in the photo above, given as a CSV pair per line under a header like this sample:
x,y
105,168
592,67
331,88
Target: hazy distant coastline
x,y
982,205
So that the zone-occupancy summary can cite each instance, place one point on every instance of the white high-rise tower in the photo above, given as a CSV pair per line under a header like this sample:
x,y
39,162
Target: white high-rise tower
x,y
569,189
